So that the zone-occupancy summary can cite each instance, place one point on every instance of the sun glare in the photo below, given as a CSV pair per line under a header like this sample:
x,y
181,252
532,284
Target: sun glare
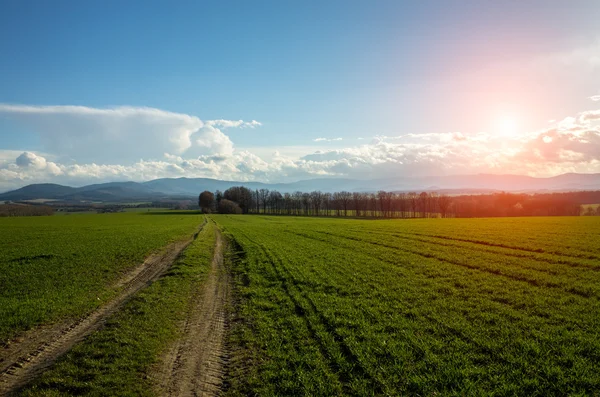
x,y
507,126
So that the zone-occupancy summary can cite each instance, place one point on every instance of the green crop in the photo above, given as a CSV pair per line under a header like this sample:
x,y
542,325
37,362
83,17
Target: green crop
x,y
323,307
507,306
53,268
118,359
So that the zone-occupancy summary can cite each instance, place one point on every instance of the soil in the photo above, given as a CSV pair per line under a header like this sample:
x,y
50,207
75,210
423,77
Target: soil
x,y
195,364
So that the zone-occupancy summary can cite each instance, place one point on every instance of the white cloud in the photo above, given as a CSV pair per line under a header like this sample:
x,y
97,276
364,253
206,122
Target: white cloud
x,y
234,123
586,117
87,134
569,145
28,159
327,139
595,98
122,134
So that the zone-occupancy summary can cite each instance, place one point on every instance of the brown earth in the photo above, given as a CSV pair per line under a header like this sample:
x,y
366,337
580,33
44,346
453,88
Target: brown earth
x,y
195,364
29,355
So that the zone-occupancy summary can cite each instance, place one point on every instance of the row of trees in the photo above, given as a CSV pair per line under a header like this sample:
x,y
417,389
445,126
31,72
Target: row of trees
x,y
240,200
25,210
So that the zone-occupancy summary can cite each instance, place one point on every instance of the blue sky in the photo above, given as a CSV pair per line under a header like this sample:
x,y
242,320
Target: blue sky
x,y
392,79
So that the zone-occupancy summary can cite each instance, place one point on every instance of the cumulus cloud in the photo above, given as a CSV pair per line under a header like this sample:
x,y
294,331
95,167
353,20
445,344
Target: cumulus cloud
x,y
87,134
28,159
595,98
122,134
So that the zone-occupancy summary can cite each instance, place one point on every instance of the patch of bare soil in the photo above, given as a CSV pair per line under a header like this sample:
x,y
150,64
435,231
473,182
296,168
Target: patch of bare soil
x,y
195,364
29,355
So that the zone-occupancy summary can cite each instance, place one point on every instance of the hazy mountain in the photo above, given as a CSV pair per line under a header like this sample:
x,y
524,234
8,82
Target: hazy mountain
x,y
40,190
194,186
191,187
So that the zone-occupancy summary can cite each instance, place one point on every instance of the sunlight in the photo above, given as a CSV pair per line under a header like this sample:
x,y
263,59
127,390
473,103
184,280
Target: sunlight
x,y
507,126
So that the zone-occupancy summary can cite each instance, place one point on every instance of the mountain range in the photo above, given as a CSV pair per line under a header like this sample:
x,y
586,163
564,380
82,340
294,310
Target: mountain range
x,y
191,187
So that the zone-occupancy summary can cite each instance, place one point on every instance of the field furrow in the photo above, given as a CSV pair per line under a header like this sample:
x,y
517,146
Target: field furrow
x,y
404,313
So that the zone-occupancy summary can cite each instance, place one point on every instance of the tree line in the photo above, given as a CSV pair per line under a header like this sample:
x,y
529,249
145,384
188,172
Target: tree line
x,y
383,204
25,210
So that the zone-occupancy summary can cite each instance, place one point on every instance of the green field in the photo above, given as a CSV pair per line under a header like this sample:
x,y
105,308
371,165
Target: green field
x,y
422,307
118,359
62,267
322,307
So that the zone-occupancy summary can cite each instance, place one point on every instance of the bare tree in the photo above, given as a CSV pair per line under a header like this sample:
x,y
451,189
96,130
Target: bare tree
x,y
327,203
257,201
297,202
372,198
422,203
316,198
275,199
306,203
264,197
413,203
357,204
345,198
444,205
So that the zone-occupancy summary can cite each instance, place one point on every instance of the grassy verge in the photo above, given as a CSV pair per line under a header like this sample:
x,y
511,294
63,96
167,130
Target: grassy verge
x,y
117,359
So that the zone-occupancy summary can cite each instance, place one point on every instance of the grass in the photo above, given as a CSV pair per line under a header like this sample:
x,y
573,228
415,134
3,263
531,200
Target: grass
x,y
52,268
505,306
116,360
324,307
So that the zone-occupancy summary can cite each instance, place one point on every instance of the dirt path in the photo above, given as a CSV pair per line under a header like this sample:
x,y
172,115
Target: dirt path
x,y
28,356
194,366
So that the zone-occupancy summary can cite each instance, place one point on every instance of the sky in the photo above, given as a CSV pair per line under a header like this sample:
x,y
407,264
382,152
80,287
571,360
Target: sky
x,y
280,91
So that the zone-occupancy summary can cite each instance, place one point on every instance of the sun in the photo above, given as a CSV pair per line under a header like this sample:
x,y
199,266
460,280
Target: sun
x,y
507,126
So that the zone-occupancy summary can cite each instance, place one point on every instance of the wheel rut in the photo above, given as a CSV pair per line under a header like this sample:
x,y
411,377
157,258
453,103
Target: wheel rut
x,y
195,364
28,356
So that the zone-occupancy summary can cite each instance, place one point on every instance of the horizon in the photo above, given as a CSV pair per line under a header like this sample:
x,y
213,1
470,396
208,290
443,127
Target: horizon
x,y
433,188
282,93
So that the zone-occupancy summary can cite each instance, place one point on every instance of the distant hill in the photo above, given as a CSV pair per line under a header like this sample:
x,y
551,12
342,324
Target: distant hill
x,y
40,190
191,187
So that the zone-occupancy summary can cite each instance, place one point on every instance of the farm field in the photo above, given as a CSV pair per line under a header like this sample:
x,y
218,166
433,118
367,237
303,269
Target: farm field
x,y
320,307
60,267
506,306
122,358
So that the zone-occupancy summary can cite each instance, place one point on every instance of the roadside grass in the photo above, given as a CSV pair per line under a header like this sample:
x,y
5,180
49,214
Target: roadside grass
x,y
415,307
54,268
117,360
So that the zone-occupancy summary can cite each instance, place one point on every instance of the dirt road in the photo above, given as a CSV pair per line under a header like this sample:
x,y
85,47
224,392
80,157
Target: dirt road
x,y
26,358
194,366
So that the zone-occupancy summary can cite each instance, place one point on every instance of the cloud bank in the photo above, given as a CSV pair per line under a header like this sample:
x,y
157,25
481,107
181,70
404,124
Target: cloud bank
x,y
122,134
84,145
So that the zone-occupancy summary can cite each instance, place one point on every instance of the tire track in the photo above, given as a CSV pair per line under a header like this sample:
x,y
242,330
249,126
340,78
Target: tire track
x,y
352,367
195,365
499,250
21,362
539,283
